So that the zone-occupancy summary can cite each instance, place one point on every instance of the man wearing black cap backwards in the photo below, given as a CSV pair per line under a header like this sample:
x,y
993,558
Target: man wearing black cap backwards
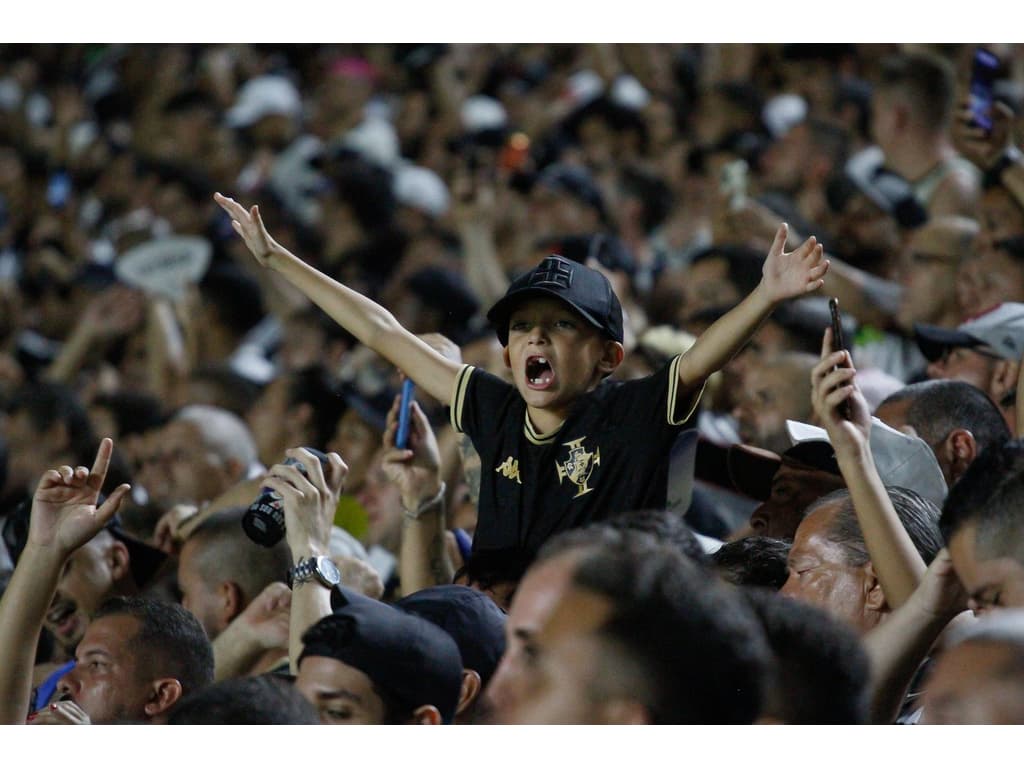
x,y
370,664
561,447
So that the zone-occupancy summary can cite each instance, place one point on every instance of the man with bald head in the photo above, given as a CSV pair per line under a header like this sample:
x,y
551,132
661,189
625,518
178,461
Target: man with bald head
x,y
780,389
202,451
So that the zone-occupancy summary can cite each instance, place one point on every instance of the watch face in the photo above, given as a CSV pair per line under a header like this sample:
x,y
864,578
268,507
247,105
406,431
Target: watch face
x,y
328,570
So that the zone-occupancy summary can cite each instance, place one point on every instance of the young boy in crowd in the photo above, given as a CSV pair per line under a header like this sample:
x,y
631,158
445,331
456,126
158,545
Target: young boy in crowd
x,y
563,446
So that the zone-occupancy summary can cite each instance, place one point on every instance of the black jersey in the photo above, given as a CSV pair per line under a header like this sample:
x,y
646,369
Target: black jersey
x,y
611,455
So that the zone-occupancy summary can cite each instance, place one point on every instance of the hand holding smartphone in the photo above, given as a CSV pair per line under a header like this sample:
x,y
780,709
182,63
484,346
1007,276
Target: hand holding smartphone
x,y
404,414
838,343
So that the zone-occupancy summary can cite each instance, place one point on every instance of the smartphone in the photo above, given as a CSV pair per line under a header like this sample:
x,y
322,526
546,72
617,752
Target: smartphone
x,y
838,343
404,413
983,76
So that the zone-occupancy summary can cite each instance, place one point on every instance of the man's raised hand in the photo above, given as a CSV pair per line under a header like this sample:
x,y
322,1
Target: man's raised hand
x,y
64,512
796,273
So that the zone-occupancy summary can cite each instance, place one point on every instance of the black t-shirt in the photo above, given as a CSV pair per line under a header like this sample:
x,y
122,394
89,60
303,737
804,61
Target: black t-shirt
x,y
611,455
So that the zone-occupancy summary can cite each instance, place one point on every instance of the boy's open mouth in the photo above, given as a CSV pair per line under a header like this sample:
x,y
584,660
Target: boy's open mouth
x,y
539,374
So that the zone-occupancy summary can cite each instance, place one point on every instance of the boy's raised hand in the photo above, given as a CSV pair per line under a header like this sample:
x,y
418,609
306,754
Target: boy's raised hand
x,y
249,224
789,275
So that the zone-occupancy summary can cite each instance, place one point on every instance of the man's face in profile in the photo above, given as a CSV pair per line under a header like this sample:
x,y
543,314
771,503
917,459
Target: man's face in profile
x,y
794,487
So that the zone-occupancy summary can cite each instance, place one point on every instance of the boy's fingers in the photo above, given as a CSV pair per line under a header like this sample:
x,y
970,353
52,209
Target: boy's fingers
x,y
780,239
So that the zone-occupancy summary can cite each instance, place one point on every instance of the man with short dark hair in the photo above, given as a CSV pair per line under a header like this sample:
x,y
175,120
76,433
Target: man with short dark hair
x,y
984,529
819,671
956,419
257,700
624,630
221,570
755,561
137,659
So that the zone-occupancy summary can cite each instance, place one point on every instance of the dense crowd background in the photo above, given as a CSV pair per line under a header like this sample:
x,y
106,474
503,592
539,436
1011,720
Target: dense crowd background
x,y
429,176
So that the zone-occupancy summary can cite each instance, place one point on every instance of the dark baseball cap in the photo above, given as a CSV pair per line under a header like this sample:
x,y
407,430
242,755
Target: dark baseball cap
x,y
413,662
143,559
584,289
750,471
474,621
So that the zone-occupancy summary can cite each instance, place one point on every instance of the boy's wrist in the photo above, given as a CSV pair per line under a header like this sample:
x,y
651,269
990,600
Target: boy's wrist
x,y
762,299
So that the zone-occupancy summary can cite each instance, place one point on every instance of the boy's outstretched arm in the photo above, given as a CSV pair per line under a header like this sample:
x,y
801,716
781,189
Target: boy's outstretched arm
x,y
784,276
369,322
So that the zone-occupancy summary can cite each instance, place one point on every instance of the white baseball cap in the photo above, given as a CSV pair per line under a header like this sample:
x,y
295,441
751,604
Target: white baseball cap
x,y
901,459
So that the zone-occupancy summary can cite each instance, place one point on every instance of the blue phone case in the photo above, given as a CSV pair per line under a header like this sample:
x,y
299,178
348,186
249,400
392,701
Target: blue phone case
x,y
408,389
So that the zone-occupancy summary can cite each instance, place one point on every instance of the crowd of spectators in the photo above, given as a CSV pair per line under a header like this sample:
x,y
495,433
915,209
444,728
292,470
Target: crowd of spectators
x,y
826,535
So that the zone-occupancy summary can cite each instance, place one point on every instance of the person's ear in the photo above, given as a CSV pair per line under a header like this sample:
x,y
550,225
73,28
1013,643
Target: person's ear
x,y
118,560
959,449
231,600
164,694
505,356
612,356
471,686
624,712
874,597
1004,379
428,714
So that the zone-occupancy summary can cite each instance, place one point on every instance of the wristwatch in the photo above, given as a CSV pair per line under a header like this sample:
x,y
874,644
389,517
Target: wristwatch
x,y
320,568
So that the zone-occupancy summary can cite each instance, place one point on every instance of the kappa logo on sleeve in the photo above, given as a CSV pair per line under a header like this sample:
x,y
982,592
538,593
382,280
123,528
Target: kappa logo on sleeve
x,y
509,469
579,466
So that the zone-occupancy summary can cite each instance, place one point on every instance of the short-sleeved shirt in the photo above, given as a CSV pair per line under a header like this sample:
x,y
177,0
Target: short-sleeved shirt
x,y
611,454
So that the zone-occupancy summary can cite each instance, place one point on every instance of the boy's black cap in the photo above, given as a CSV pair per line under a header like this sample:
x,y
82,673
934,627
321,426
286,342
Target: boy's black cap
x,y
412,661
584,289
